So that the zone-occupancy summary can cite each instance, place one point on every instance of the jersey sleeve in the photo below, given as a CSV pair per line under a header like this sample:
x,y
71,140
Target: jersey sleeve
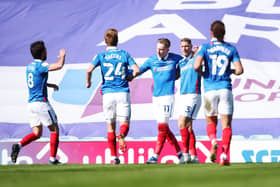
x,y
201,51
130,60
235,55
145,66
96,60
44,68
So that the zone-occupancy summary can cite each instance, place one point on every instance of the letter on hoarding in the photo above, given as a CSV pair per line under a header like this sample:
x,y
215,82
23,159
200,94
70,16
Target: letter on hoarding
x,y
238,26
264,7
198,5
260,155
160,24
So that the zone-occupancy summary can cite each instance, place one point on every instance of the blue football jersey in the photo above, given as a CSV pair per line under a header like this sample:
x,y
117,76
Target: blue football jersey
x,y
36,78
218,57
190,79
114,65
163,72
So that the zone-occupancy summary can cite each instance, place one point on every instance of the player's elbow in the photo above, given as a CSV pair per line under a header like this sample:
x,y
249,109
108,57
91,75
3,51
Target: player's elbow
x,y
197,63
239,71
88,72
196,67
90,69
238,68
56,66
59,66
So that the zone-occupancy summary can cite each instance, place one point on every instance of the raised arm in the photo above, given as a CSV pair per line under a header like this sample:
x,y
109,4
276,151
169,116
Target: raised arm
x,y
59,64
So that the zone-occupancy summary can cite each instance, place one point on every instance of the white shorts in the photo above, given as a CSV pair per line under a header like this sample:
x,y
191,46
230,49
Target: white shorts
x,y
189,105
163,107
218,102
41,113
116,105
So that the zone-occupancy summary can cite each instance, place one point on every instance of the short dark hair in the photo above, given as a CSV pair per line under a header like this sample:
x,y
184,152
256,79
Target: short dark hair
x,y
218,29
186,40
111,37
165,42
37,50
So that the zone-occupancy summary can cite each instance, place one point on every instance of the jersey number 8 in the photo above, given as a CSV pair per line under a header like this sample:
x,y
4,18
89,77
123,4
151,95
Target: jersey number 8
x,y
30,81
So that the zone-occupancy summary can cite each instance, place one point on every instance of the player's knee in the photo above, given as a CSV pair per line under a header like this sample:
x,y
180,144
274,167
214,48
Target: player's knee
x,y
163,120
53,128
111,121
189,128
38,134
124,119
181,124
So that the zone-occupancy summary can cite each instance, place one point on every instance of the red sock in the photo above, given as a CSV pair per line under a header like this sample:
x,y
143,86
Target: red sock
x,y
185,139
162,134
54,141
226,138
124,128
211,131
112,143
28,139
173,141
192,143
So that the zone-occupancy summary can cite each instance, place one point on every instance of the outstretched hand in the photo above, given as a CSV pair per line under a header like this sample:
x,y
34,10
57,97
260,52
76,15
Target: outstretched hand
x,y
62,53
88,84
129,77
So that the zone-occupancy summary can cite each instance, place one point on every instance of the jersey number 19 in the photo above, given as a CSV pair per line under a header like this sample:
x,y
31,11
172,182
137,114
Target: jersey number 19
x,y
220,62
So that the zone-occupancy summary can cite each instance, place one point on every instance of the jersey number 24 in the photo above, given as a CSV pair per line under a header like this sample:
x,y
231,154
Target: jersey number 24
x,y
110,74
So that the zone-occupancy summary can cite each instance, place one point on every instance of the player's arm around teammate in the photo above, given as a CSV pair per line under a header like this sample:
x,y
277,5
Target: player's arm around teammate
x,y
164,67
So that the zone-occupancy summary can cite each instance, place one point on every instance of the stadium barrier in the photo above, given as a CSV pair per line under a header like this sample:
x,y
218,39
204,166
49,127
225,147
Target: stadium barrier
x,y
96,152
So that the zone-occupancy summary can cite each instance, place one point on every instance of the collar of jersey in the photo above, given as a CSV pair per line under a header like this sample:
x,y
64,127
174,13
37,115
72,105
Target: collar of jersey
x,y
37,60
215,40
111,48
164,58
188,57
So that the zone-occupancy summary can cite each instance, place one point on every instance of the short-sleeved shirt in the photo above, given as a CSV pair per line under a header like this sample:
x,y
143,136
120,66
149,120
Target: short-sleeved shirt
x,y
114,65
218,57
36,78
190,79
163,72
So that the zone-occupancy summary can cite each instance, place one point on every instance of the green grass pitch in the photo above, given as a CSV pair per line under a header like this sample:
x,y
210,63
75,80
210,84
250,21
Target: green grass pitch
x,y
141,175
